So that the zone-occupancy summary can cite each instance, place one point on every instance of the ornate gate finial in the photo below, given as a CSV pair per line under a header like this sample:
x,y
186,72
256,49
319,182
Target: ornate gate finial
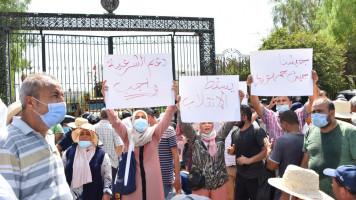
x,y
110,5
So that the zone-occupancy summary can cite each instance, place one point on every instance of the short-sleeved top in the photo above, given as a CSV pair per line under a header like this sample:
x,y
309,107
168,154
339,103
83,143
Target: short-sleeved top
x,y
110,139
66,141
31,165
57,129
288,149
330,150
273,124
168,141
249,143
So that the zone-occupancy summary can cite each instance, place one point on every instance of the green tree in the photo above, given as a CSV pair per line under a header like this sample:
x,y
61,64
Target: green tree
x,y
14,5
337,18
328,56
296,15
234,67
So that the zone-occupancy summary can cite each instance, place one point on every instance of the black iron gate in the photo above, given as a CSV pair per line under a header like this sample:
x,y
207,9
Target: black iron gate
x,y
76,61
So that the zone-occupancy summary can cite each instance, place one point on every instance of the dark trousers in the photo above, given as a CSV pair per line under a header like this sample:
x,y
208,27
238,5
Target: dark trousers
x,y
246,188
113,174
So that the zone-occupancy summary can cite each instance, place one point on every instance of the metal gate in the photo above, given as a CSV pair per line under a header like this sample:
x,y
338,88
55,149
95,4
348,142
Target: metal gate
x,y
76,61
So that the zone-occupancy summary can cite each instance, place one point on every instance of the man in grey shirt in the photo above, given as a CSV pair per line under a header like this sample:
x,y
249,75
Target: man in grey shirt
x,y
287,149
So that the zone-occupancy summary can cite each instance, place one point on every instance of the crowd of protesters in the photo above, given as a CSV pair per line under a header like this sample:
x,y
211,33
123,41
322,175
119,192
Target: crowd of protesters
x,y
282,149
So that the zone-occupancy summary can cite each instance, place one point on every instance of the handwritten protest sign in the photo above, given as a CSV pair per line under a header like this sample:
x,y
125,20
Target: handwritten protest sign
x,y
282,72
243,87
209,98
143,80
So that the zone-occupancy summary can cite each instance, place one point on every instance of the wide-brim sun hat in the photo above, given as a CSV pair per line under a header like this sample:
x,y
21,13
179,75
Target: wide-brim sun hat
x,y
13,110
80,125
342,109
301,183
78,122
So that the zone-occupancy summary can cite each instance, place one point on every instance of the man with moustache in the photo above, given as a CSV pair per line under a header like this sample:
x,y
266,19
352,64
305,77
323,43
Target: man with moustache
x,y
248,146
329,143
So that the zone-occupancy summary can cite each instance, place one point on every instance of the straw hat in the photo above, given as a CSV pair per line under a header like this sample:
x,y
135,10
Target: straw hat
x,y
342,109
300,182
13,110
82,124
78,122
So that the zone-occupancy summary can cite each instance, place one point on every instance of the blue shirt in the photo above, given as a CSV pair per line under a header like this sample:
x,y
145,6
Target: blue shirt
x,y
66,141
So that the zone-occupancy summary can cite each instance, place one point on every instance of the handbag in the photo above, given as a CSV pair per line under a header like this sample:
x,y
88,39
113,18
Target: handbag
x,y
195,180
125,181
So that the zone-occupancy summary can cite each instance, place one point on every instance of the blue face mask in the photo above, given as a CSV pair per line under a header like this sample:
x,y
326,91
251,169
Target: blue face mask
x,y
140,125
66,129
320,120
282,108
55,115
84,144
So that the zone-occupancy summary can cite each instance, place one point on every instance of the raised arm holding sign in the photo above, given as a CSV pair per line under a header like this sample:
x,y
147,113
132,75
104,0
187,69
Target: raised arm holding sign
x,y
136,81
270,118
209,98
276,72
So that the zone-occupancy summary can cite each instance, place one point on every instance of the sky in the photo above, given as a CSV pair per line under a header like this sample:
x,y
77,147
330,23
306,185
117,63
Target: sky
x,y
239,24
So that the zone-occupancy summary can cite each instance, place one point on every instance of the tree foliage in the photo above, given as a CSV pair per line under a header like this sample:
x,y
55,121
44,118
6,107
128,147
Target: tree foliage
x,y
14,5
234,67
336,18
296,15
328,56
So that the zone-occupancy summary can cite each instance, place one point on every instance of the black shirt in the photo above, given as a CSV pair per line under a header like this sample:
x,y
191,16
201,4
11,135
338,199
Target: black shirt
x,y
249,143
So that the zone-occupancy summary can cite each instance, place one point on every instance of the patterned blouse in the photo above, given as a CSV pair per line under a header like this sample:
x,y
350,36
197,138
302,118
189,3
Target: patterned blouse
x,y
215,173
105,174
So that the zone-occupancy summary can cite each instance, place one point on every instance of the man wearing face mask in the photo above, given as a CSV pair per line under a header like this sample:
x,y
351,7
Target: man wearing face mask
x,y
287,149
248,146
27,156
271,118
329,143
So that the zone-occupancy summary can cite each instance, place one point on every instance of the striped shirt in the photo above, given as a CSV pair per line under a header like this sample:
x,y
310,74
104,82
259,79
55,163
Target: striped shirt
x,y
31,166
108,136
168,141
273,124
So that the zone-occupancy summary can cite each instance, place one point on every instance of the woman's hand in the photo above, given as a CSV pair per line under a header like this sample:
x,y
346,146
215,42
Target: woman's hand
x,y
104,88
178,102
249,80
175,89
241,95
106,197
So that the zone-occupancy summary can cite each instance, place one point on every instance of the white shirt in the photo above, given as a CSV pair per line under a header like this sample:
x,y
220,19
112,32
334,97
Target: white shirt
x,y
229,159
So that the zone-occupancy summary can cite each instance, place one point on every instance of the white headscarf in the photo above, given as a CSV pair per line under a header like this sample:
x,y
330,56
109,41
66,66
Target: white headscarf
x,y
140,139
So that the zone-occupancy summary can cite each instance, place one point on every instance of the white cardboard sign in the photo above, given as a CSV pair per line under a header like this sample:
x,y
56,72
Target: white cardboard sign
x,y
209,98
139,80
285,72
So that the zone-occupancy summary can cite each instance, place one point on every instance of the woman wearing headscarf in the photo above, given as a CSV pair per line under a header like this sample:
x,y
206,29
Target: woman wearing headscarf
x,y
148,173
87,167
208,147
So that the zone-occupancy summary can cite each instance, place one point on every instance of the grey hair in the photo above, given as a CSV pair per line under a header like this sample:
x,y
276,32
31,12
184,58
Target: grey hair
x,y
353,101
104,114
34,83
